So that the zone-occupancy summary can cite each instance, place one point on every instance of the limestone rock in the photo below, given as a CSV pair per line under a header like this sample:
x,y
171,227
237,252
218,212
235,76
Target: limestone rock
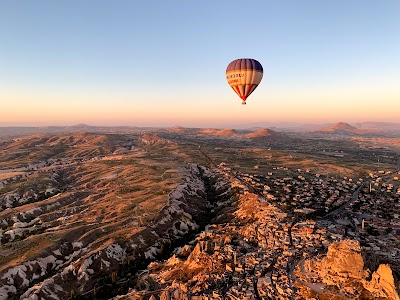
x,y
343,268
185,251
382,283
195,254
343,261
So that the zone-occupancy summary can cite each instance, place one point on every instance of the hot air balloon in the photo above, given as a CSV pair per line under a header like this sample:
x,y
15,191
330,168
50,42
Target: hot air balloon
x,y
244,75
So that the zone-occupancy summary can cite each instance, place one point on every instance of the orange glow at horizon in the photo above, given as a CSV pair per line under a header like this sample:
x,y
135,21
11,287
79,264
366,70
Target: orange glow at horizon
x,y
276,105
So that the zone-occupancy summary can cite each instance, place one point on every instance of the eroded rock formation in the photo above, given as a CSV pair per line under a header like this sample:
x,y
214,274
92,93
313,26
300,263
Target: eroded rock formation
x,y
342,262
61,274
382,283
343,269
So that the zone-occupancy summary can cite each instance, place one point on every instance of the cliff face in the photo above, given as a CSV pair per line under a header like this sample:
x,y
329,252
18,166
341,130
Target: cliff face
x,y
343,270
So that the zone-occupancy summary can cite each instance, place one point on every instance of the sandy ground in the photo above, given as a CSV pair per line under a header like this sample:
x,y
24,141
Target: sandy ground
x,y
9,174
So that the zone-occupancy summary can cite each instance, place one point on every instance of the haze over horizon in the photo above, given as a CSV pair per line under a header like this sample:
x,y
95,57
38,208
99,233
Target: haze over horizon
x,y
163,64
285,125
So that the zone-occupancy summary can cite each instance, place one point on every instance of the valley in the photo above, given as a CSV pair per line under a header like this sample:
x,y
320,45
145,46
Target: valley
x,y
202,214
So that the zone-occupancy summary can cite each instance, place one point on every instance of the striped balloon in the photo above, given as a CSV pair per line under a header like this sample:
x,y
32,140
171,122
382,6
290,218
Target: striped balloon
x,y
244,75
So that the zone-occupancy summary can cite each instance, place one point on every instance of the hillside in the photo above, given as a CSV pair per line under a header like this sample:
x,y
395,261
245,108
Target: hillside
x,y
347,129
161,213
262,133
339,126
227,132
30,150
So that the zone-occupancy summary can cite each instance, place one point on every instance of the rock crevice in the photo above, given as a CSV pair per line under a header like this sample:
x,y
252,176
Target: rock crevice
x,y
189,208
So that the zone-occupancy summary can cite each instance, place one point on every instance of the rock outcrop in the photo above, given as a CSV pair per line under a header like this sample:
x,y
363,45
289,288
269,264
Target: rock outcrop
x,y
342,262
382,283
343,269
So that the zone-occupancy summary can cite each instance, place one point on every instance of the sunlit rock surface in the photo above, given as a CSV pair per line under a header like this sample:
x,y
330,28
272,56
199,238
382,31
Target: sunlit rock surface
x,y
382,283
343,270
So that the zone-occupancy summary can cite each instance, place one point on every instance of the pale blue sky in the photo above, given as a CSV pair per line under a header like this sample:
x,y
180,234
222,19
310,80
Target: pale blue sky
x,y
163,62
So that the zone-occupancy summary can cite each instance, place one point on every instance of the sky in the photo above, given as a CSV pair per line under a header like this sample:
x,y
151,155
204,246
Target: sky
x,y
162,63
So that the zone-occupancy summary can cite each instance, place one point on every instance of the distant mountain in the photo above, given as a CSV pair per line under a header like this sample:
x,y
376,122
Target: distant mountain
x,y
338,127
81,126
227,132
347,129
362,128
262,133
370,127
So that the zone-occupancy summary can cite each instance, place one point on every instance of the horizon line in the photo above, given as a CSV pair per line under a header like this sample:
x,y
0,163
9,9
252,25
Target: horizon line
x,y
252,124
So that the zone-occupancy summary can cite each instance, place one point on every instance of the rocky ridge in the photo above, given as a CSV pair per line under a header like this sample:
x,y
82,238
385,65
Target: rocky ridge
x,y
262,254
81,269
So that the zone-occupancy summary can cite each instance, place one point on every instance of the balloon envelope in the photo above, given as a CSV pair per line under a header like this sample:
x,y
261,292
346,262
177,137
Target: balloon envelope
x,y
244,75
